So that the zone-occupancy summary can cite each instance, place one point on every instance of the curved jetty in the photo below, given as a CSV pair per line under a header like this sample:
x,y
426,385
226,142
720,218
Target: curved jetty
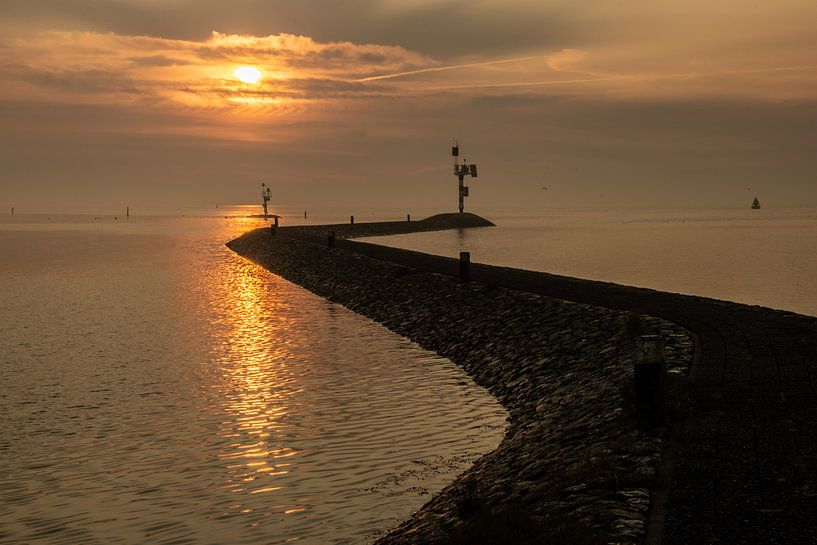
x,y
439,222
738,466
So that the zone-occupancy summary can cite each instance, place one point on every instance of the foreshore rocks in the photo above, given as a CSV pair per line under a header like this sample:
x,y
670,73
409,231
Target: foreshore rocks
x,y
572,459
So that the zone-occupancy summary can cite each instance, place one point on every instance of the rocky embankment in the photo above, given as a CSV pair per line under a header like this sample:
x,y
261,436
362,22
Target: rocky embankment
x,y
572,460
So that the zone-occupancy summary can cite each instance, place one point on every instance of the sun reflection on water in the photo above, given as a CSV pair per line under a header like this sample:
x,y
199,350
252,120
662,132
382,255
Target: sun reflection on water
x,y
259,388
205,400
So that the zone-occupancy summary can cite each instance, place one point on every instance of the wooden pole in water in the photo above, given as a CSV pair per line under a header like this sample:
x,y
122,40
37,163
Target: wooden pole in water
x,y
352,220
408,217
304,214
465,266
650,381
12,210
127,211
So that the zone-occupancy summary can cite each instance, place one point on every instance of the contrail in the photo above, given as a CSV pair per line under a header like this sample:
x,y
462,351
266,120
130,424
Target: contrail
x,y
534,57
617,78
743,71
449,67
521,84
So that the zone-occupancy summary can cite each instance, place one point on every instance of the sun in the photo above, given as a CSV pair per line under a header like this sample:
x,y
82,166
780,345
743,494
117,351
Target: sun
x,y
247,74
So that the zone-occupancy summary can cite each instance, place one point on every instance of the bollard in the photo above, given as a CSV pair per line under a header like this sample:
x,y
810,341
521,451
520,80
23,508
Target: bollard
x,y
650,381
465,266
408,217
352,220
331,239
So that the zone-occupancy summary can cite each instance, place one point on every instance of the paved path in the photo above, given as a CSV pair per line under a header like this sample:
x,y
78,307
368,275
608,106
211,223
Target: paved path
x,y
743,465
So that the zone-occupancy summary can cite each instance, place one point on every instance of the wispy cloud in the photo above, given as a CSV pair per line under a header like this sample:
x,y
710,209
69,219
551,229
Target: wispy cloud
x,y
92,67
89,67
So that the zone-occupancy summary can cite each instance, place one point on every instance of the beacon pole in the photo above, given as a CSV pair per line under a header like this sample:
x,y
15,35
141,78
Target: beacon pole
x,y
265,197
460,171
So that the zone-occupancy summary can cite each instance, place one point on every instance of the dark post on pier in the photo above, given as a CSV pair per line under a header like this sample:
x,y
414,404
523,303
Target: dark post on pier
x,y
650,381
465,266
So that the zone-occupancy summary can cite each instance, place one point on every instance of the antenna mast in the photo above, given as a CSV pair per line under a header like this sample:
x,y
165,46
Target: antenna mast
x,y
461,171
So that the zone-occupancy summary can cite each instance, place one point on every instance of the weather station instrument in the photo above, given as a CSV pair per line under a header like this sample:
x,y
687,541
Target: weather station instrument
x,y
461,170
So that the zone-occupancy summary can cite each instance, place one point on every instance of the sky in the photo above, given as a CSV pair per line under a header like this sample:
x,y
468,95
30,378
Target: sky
x,y
113,103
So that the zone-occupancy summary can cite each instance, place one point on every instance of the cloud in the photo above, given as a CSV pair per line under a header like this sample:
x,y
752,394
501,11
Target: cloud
x,y
84,67
158,60
565,59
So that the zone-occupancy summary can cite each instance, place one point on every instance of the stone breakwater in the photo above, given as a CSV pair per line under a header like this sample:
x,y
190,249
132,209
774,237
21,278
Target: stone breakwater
x,y
438,222
572,456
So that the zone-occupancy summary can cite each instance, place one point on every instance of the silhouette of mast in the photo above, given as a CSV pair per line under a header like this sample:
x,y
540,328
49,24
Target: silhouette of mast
x,y
265,196
461,171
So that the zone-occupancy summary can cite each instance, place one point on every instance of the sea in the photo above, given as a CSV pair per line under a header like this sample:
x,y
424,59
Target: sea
x,y
765,257
157,388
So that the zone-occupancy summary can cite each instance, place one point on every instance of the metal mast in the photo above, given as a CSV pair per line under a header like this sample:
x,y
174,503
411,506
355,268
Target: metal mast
x,y
461,171
265,196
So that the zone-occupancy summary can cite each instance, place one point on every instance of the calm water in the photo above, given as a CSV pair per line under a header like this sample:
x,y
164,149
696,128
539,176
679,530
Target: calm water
x,y
766,257
157,388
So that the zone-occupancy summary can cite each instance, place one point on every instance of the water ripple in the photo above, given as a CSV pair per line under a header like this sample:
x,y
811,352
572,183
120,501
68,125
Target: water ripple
x,y
157,388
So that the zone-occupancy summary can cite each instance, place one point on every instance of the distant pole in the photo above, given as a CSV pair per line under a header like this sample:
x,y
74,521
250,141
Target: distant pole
x,y
352,220
276,222
127,211
408,217
465,266
650,381
331,239
304,214
12,210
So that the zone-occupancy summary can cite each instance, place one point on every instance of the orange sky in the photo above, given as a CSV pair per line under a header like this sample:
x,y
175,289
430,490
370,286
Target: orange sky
x,y
633,102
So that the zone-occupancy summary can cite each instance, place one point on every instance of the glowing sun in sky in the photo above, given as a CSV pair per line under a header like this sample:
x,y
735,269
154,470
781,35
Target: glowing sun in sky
x,y
247,74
